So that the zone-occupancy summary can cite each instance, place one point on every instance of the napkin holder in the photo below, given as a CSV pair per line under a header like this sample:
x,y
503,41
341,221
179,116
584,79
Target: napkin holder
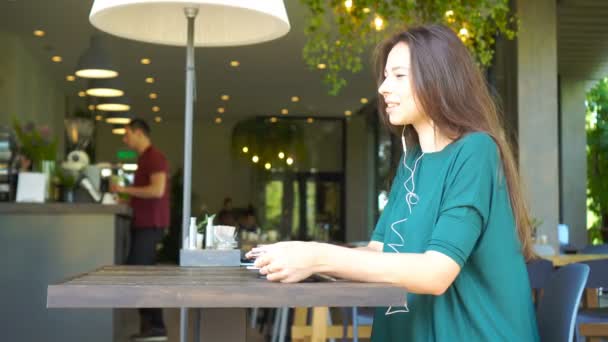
x,y
210,257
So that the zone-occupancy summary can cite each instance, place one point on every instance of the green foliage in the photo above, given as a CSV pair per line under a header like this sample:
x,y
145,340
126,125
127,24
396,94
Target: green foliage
x,y
338,37
266,139
65,178
597,153
34,142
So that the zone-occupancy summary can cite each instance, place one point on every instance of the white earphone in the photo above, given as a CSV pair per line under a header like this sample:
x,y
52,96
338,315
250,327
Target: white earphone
x,y
403,140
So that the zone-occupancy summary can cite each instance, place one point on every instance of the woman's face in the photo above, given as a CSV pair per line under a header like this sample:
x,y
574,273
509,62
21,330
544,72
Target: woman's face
x,y
396,89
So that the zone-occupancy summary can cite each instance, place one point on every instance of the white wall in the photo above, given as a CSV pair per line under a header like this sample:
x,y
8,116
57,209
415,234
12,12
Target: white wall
x,y
27,89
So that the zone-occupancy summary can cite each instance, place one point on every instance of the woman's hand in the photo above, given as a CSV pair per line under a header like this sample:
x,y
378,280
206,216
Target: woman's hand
x,y
287,262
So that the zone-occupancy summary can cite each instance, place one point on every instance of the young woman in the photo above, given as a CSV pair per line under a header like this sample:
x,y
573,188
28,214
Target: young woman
x,y
455,232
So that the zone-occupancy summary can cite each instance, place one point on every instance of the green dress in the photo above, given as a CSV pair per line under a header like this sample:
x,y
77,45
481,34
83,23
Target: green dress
x,y
457,203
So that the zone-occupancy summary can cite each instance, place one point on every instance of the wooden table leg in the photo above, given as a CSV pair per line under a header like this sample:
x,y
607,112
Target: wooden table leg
x,y
590,299
319,324
226,324
300,316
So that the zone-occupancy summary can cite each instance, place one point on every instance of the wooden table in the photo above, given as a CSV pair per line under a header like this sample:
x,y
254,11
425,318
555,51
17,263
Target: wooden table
x,y
224,292
565,259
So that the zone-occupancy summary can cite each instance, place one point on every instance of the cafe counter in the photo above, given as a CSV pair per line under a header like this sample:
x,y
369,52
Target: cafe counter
x,y
45,243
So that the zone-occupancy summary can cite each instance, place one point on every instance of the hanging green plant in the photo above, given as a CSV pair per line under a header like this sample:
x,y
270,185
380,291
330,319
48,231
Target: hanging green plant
x,y
597,159
279,143
340,32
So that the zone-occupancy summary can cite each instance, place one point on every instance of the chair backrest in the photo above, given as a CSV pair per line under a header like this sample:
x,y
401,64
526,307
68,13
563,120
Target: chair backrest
x,y
558,307
598,273
595,249
539,272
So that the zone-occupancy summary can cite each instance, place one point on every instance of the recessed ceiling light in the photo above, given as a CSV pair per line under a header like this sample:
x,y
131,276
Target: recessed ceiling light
x,y
310,120
39,33
273,119
234,64
281,155
218,120
150,80
321,66
225,97
289,161
364,100
245,149
221,110
70,78
267,166
348,113
117,120
156,109
255,159
145,61
91,107
82,93
295,99
113,107
119,131
284,111
158,119
57,59
153,96
105,92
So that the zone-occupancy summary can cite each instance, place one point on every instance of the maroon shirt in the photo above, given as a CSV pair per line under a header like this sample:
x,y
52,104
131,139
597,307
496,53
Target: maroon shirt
x,y
151,212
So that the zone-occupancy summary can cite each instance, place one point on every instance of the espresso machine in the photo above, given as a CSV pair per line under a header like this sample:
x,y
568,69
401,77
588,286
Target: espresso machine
x,y
7,169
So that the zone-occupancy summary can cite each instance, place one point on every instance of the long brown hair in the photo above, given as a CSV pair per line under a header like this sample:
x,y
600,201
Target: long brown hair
x,y
450,89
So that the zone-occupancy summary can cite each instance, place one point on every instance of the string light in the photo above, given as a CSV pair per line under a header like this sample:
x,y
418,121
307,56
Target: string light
x,y
378,23
463,34
349,5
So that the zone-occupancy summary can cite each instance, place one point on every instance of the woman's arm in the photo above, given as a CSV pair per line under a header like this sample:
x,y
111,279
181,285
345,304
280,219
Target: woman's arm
x,y
372,246
428,273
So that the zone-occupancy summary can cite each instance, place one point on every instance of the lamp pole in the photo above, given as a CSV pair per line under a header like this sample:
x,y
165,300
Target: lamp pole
x,y
191,14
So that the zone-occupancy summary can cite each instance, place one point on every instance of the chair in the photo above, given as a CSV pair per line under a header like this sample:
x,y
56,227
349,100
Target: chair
x,y
557,308
592,321
539,272
321,327
357,318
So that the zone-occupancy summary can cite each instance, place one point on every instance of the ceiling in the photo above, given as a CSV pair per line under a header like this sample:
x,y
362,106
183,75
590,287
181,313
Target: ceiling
x,y
268,76
269,73
582,31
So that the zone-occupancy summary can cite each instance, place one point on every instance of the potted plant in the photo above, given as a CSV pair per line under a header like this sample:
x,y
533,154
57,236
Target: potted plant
x,y
66,182
37,145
